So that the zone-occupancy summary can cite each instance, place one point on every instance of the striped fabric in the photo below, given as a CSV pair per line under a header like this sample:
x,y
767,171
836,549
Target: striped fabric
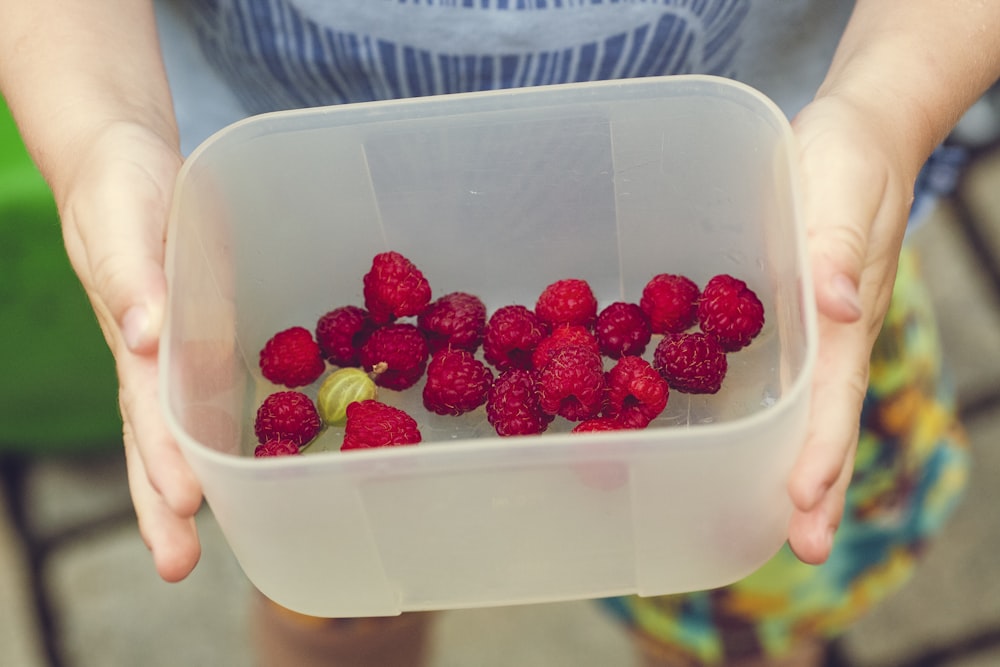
x,y
281,54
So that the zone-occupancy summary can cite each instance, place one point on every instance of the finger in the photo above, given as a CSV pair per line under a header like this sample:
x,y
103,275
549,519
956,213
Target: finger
x,y
811,533
172,539
169,474
839,387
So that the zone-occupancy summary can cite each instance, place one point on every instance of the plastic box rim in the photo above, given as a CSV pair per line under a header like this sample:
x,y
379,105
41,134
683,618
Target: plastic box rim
x,y
436,106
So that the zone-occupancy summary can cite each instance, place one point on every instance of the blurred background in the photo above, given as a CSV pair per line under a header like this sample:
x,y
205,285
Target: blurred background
x,y
78,589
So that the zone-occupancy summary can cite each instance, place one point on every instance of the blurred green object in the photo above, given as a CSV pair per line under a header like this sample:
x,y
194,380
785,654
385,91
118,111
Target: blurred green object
x,y
58,389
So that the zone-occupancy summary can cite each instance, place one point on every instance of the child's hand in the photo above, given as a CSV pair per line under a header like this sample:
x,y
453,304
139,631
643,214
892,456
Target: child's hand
x,y
900,79
856,197
86,83
114,209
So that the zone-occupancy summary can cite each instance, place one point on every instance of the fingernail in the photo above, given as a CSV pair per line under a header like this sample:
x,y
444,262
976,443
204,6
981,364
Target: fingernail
x,y
134,327
847,291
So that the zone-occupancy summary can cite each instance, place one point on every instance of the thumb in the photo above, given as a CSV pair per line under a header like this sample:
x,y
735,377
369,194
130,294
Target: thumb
x,y
841,196
114,235
123,276
137,304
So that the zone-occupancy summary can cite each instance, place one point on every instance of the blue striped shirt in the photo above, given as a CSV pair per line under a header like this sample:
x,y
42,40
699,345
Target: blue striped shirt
x,y
280,54
270,55
231,58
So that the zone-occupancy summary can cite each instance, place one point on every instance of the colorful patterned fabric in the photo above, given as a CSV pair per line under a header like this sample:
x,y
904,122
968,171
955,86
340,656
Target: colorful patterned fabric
x,y
911,468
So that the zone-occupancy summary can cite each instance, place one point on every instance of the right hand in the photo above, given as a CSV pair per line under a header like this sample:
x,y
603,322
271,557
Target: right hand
x,y
114,210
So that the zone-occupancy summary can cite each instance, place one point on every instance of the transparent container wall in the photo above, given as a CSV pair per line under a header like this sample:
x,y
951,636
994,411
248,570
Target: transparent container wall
x,y
275,222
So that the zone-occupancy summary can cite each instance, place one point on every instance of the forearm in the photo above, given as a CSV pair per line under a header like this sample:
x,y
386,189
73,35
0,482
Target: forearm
x,y
70,68
915,66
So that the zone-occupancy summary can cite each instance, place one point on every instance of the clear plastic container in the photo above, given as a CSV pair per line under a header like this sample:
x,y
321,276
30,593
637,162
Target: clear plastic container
x,y
276,219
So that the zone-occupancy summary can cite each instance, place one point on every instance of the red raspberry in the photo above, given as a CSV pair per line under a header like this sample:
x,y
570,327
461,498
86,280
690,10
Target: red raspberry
x,y
289,415
692,363
671,303
455,320
276,447
568,301
403,350
372,424
292,358
512,406
457,383
512,334
596,424
730,311
637,394
395,287
623,329
571,384
341,333
567,334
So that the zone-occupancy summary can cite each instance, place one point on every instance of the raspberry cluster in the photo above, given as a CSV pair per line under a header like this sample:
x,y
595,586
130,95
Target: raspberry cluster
x,y
563,357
